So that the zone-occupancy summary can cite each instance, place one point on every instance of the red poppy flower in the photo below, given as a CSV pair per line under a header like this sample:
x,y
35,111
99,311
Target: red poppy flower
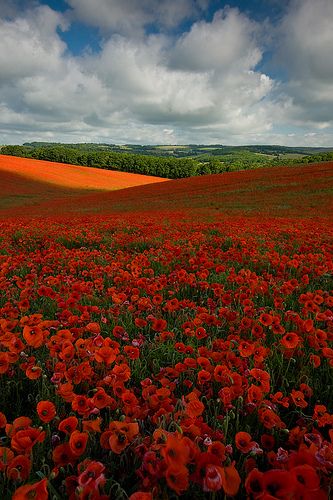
x,y
279,483
24,440
19,468
78,442
177,478
244,442
141,495
4,362
254,483
6,455
290,340
36,490
3,420
62,455
46,411
175,451
33,336
68,425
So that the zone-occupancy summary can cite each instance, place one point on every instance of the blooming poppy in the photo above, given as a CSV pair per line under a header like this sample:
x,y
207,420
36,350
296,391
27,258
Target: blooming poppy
x,y
4,362
19,468
24,440
33,336
3,420
298,399
244,442
230,479
194,408
78,442
6,455
35,490
68,425
177,478
62,455
46,411
175,451
290,340
279,483
141,495
254,483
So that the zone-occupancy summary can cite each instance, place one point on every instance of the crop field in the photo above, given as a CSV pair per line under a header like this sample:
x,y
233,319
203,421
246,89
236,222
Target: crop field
x,y
26,181
170,340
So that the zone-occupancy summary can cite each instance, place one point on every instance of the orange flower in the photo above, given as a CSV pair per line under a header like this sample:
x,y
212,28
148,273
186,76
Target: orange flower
x,y
141,495
244,442
33,336
68,425
6,455
36,490
4,362
177,478
105,355
33,372
19,468
101,399
290,340
92,425
194,408
82,405
254,483
46,411
23,441
78,442
230,479
298,399
266,319
306,477
280,483
132,352
3,420
254,395
119,436
159,325
175,451
62,455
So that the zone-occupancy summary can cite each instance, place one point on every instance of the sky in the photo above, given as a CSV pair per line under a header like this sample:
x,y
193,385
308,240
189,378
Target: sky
x,y
167,71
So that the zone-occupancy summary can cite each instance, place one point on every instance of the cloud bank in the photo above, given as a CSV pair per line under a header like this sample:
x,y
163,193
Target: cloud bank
x,y
167,75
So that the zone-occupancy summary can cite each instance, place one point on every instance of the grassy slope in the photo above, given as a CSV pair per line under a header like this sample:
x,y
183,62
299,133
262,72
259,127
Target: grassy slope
x,y
301,191
26,181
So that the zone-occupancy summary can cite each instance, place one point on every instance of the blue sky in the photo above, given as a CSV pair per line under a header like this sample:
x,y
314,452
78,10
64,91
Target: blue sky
x,y
167,71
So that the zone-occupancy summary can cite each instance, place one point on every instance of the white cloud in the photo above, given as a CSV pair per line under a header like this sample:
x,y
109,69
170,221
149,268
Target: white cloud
x,y
226,42
130,17
306,47
203,85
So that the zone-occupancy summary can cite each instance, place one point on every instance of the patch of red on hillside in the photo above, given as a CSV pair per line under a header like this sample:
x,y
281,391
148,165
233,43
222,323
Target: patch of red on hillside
x,y
69,176
297,191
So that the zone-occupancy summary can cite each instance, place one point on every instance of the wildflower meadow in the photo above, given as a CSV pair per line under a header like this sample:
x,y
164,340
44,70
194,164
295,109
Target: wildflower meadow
x,y
180,351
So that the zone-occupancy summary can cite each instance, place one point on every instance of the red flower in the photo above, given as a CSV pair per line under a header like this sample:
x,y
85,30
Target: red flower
x,y
46,411
36,490
177,478
68,425
78,442
244,442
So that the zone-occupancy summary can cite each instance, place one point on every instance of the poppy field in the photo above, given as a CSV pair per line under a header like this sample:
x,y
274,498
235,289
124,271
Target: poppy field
x,y
177,350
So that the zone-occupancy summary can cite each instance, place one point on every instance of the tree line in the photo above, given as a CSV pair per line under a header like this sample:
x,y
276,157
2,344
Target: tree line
x,y
172,168
166,166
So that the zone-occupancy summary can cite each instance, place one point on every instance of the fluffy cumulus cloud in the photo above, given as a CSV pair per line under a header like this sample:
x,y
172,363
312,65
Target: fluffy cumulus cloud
x,y
305,51
164,85
131,17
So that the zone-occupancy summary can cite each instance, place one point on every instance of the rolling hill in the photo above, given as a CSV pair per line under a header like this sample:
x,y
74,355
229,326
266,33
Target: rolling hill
x,y
31,182
301,191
